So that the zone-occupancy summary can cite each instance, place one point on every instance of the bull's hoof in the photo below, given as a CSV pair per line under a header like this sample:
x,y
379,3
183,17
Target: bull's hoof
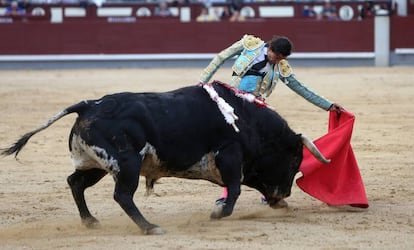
x,y
91,222
279,204
154,231
217,212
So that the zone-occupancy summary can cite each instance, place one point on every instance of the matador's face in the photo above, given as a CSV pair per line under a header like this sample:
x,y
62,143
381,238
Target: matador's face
x,y
273,57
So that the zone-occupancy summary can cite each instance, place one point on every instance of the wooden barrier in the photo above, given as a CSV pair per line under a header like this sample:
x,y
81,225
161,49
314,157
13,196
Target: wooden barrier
x,y
118,29
167,36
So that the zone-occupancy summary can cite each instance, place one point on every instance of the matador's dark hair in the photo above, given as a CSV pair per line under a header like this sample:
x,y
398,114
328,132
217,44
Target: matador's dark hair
x,y
281,45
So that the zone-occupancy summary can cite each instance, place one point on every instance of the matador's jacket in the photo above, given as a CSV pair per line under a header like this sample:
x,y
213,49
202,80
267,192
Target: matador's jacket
x,y
248,50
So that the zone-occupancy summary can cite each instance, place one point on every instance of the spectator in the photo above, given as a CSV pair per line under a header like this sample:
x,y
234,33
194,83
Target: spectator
x,y
328,11
226,13
367,10
14,10
237,17
162,10
205,16
308,11
24,4
236,5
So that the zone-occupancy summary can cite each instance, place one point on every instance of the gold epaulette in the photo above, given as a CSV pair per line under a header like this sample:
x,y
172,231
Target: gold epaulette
x,y
284,68
251,42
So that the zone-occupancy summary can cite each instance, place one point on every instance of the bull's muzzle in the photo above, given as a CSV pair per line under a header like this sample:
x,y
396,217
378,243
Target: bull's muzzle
x,y
275,200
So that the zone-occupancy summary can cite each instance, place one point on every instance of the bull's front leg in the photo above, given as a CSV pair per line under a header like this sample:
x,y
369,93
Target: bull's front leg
x,y
226,208
229,161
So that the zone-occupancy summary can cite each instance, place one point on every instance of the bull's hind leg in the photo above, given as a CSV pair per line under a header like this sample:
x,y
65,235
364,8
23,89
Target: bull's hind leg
x,y
126,184
78,182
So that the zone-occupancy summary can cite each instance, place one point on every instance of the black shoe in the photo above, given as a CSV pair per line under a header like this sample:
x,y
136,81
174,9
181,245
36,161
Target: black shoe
x,y
221,201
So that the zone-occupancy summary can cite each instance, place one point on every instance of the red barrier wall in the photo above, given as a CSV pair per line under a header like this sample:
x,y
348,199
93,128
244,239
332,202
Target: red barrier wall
x,y
402,32
172,36
93,34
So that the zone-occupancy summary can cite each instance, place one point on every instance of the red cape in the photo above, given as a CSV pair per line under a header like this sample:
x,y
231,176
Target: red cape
x,y
339,182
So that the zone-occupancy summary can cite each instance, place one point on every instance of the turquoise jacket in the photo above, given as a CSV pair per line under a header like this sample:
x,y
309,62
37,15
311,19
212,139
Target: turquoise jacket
x,y
247,49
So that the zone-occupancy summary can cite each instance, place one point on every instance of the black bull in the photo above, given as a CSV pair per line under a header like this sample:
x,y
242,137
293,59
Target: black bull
x,y
179,133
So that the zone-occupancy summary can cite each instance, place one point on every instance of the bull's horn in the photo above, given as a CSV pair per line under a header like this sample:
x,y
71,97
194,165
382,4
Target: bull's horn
x,y
313,149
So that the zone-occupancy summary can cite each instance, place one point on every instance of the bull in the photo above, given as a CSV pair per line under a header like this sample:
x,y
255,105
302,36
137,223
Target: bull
x,y
180,133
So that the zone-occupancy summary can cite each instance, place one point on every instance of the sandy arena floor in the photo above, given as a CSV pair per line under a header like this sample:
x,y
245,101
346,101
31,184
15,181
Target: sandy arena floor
x,y
37,210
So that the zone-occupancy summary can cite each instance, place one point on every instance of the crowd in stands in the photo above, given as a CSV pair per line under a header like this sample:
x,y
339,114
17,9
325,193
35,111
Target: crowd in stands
x,y
329,12
208,13
230,12
212,10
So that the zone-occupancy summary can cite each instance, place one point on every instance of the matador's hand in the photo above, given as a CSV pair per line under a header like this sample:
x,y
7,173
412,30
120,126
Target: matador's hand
x,y
336,107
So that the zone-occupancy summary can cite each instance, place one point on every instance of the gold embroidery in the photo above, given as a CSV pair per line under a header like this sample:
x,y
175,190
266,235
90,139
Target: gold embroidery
x,y
284,68
251,42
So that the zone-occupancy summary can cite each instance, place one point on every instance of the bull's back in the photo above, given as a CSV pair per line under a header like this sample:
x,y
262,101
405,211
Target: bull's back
x,y
182,125
187,125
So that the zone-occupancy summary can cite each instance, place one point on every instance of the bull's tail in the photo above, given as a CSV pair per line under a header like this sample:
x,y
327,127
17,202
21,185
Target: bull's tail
x,y
16,147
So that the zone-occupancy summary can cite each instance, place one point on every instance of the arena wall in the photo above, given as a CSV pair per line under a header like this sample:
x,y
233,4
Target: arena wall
x,y
73,33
